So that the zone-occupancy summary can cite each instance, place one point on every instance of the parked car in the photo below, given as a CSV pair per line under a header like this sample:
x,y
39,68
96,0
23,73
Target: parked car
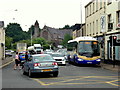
x,y
60,58
41,63
9,52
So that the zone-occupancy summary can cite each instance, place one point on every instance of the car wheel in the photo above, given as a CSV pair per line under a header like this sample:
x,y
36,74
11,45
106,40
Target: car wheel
x,y
55,74
30,74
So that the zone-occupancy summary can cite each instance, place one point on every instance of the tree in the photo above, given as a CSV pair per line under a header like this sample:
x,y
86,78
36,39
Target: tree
x,y
66,27
41,41
8,42
67,37
15,31
31,29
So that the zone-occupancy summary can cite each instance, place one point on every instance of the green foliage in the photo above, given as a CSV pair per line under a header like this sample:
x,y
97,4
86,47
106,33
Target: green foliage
x,y
15,31
66,27
41,41
8,42
46,46
31,30
67,37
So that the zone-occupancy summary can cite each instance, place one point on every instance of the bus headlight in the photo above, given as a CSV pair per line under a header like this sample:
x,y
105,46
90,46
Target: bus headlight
x,y
80,59
98,60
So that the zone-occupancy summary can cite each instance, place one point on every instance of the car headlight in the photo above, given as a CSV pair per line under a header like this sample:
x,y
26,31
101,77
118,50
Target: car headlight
x,y
98,60
80,59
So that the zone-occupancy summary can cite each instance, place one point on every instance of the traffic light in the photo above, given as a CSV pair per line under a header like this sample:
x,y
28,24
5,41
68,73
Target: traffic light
x,y
113,40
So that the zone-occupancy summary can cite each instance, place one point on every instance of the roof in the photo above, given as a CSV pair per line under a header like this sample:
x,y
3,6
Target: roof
x,y
56,33
36,23
89,3
82,38
77,26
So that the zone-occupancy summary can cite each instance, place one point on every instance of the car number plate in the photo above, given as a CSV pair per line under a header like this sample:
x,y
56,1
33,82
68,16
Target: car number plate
x,y
23,57
44,70
89,62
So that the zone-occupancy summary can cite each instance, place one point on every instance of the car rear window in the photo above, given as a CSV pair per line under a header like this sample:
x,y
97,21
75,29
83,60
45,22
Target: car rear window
x,y
42,58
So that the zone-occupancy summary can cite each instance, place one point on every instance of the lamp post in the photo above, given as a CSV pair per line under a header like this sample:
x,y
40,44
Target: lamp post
x,y
31,37
81,17
14,18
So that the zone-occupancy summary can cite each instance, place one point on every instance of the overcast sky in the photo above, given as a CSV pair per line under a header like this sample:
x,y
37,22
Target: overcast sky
x,y
53,13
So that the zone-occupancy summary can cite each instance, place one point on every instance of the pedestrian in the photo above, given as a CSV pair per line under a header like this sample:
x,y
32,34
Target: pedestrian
x,y
17,61
26,56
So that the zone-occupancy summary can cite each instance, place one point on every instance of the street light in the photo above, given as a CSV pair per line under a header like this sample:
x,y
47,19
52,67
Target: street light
x,y
31,37
14,18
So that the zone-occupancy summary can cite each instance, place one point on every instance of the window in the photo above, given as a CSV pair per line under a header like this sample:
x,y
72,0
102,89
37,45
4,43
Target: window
x,y
96,26
109,18
90,9
87,29
93,7
96,5
90,28
93,28
118,17
87,12
100,4
0,36
110,24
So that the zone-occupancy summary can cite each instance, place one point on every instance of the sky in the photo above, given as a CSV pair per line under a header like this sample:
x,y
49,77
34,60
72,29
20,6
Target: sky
x,y
53,13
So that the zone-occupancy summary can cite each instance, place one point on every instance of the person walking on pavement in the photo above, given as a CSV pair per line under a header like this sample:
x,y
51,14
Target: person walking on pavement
x,y
17,61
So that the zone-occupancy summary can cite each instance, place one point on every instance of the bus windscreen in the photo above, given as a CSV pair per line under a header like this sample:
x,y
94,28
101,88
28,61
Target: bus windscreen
x,y
88,48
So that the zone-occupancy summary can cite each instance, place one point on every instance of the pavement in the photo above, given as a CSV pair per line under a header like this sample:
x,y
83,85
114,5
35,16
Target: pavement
x,y
103,65
6,61
110,67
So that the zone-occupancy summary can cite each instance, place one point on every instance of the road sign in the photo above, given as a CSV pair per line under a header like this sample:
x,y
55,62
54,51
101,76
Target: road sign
x,y
118,25
102,21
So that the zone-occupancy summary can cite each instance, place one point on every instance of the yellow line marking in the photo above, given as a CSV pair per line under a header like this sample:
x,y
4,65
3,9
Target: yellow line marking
x,y
81,77
111,82
6,64
110,77
42,83
78,83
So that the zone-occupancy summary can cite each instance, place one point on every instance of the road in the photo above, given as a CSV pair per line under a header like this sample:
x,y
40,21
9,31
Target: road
x,y
70,76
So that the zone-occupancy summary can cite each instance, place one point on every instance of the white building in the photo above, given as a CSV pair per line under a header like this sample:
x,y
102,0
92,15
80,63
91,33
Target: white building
x,y
2,41
102,21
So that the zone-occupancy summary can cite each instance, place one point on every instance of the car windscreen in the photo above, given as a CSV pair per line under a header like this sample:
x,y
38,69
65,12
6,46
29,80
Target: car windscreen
x,y
42,58
57,55
37,47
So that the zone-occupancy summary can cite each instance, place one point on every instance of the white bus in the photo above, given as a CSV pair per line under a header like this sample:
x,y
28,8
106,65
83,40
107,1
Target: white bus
x,y
85,50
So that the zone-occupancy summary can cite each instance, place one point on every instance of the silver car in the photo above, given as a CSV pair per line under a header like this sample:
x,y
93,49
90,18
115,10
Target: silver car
x,y
60,58
40,63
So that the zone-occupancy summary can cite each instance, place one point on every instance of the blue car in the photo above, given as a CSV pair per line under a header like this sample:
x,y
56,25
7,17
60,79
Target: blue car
x,y
22,58
40,63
